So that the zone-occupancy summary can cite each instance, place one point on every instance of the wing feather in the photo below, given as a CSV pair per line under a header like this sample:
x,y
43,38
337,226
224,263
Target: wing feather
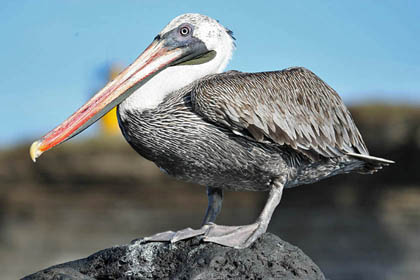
x,y
291,107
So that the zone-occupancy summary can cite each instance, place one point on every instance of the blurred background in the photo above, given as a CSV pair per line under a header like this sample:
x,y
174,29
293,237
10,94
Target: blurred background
x,y
94,192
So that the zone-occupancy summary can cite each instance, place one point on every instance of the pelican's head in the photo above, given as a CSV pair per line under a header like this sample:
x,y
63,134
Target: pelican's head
x,y
202,36
190,41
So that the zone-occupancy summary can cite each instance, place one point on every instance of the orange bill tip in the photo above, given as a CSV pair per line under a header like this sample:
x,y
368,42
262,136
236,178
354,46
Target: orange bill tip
x,y
35,150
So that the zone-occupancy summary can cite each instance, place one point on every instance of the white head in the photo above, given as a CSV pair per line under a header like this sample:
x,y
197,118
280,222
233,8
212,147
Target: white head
x,y
199,34
190,47
209,31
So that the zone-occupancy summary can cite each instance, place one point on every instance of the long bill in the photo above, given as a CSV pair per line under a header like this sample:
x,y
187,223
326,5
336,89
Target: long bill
x,y
154,59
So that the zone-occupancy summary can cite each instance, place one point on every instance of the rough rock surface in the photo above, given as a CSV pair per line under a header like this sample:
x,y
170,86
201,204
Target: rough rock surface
x,y
268,258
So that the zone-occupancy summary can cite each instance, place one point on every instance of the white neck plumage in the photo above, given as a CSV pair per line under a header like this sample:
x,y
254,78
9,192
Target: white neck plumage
x,y
152,93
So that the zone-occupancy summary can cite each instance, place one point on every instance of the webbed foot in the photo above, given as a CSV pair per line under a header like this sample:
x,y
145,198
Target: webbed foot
x,y
232,236
238,237
174,236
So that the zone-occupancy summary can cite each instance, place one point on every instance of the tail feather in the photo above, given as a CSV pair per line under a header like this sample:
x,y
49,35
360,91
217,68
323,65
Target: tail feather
x,y
372,164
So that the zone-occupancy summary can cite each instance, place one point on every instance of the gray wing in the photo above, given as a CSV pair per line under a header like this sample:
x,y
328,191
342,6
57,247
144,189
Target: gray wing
x,y
291,107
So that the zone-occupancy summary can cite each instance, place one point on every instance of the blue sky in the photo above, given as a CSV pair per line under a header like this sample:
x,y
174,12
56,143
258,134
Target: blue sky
x,y
54,54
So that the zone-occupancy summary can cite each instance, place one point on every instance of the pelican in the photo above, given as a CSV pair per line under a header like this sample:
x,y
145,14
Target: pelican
x,y
224,130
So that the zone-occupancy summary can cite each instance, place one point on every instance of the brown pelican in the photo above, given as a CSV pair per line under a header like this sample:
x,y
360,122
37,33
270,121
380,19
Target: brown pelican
x,y
227,131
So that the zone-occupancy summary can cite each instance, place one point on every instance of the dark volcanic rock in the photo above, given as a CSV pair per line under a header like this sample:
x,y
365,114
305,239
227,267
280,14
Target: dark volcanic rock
x,y
268,258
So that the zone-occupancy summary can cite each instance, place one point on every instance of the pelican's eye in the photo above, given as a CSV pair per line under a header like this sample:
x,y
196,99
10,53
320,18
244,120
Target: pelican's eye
x,y
184,30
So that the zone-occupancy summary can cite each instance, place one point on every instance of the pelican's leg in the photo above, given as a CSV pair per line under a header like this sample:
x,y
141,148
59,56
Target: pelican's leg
x,y
232,236
242,236
215,197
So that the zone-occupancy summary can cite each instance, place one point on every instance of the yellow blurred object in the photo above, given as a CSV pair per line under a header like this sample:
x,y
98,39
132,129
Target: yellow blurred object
x,y
109,122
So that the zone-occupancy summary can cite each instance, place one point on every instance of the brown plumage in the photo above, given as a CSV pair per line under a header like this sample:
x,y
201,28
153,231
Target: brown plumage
x,y
291,107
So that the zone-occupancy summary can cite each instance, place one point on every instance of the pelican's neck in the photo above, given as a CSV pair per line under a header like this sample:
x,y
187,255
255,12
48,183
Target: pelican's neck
x,y
152,93
173,78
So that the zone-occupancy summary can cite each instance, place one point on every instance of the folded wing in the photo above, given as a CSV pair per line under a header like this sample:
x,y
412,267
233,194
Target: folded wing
x,y
291,107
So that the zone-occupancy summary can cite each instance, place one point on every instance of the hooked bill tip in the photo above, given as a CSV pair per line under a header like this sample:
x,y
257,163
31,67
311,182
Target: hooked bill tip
x,y
34,151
